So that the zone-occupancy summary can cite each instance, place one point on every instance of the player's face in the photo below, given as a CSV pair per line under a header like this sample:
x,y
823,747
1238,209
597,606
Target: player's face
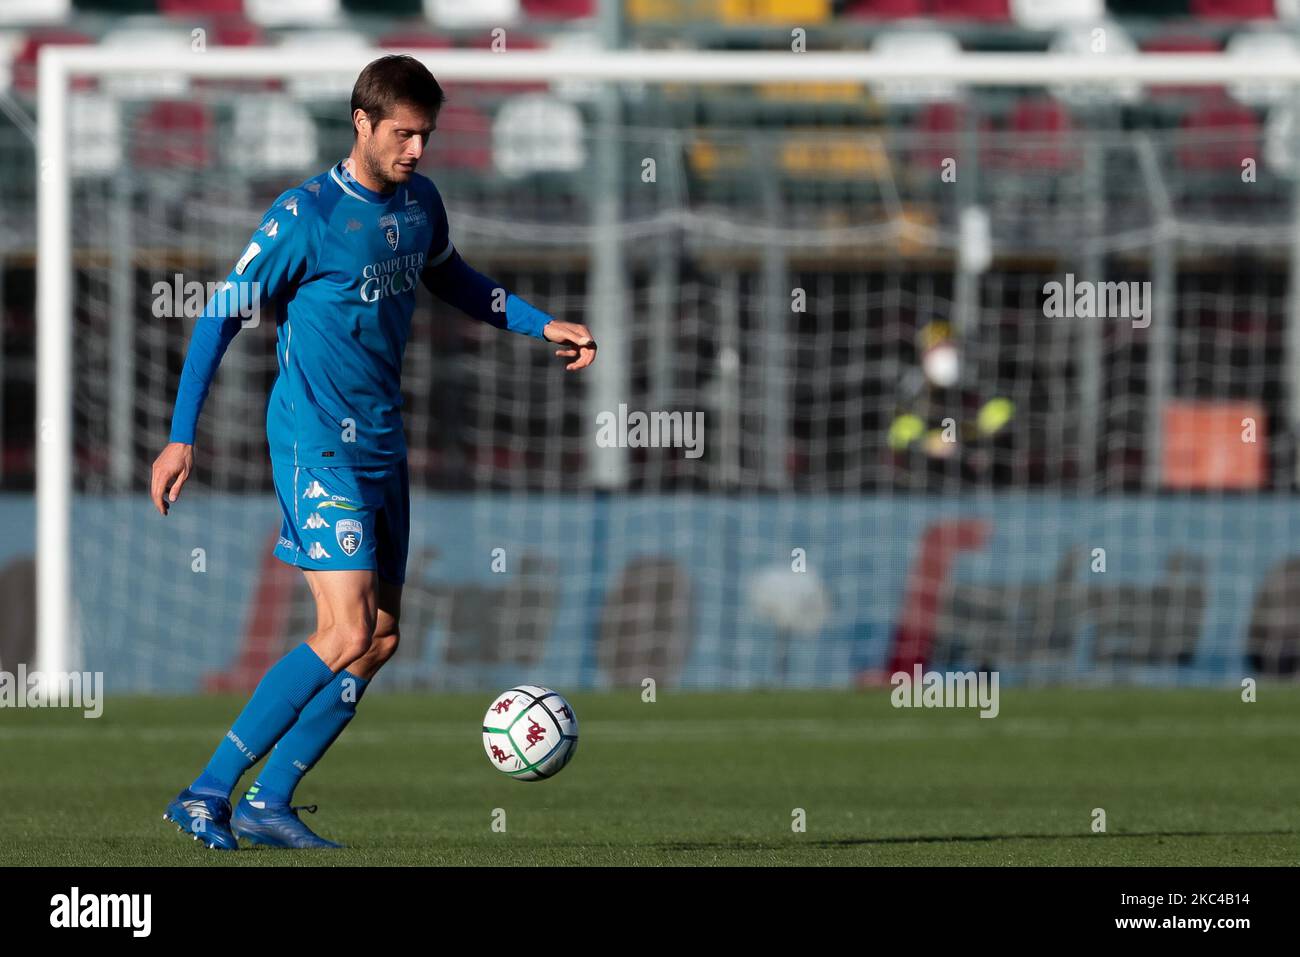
x,y
395,144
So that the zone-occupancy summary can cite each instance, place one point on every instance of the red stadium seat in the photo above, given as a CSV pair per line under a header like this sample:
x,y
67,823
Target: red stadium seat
x,y
885,9
559,9
24,72
463,140
173,134
236,32
938,128
1041,140
1234,9
1228,133
201,8
971,9
1181,43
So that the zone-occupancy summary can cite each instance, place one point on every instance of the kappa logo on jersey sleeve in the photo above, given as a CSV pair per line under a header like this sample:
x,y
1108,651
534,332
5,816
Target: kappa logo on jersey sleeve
x,y
291,204
348,533
271,227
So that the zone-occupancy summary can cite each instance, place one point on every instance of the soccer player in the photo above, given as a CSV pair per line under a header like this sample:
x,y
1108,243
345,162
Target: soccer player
x,y
337,260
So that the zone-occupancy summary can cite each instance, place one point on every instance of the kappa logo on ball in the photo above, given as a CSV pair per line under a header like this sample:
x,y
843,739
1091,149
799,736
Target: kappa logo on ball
x,y
348,533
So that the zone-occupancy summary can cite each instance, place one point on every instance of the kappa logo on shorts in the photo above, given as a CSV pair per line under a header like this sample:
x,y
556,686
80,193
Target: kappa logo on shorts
x,y
315,490
316,521
317,551
348,533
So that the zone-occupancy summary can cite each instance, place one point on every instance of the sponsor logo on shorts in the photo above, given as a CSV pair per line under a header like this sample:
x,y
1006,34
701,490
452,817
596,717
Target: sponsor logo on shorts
x,y
317,551
342,505
348,533
315,490
315,521
285,542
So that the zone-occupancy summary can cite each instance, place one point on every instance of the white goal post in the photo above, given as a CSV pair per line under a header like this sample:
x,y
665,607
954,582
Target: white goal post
x,y
58,65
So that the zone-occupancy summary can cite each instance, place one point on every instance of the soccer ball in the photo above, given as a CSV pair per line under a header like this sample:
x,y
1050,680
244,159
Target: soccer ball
x,y
530,733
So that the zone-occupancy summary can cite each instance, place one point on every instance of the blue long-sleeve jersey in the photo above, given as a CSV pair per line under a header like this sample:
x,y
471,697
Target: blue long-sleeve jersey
x,y
337,265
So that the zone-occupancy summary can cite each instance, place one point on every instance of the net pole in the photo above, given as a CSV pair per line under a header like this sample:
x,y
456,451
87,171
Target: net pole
x,y
54,370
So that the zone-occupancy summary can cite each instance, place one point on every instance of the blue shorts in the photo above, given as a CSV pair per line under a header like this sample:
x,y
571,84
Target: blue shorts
x,y
344,518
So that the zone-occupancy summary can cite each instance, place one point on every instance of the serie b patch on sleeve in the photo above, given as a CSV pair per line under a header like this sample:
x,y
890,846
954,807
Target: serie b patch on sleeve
x,y
249,254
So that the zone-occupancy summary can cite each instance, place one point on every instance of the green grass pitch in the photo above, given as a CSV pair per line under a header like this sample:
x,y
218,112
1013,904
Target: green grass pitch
x,y
1186,777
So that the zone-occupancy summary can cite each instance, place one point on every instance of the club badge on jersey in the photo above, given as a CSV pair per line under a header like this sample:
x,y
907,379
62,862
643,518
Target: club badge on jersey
x,y
388,223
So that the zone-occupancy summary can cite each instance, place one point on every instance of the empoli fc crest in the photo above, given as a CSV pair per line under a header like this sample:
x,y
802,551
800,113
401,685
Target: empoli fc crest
x,y
348,533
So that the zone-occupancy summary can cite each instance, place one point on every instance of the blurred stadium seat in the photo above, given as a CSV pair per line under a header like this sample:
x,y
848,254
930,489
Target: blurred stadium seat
x,y
920,45
173,134
489,13
970,9
201,8
1224,133
1234,9
884,9
1046,14
293,13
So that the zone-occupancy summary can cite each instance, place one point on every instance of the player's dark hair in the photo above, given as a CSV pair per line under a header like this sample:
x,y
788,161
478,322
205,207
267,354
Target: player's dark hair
x,y
394,79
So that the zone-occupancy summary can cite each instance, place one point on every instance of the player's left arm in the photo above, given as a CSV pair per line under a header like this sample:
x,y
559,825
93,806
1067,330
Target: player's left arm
x,y
456,283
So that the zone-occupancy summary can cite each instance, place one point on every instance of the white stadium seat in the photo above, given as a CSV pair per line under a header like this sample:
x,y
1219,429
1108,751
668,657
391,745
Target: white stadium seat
x,y
292,13
271,133
1100,38
921,46
1262,45
1049,14
323,43
29,12
538,133
145,35
459,13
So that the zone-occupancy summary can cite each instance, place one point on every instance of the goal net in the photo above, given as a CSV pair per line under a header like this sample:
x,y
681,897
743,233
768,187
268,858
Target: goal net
x,y
951,371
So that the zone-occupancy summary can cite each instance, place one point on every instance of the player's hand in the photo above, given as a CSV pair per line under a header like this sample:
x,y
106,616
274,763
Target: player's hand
x,y
170,470
577,337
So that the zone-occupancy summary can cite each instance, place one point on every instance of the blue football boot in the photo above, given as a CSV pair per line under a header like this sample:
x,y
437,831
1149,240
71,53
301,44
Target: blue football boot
x,y
275,825
205,817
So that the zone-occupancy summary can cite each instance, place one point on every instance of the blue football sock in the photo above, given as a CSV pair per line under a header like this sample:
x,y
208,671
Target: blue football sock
x,y
321,721
281,694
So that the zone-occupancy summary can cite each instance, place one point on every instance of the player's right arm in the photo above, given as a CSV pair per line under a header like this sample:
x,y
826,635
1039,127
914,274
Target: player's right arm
x,y
276,259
